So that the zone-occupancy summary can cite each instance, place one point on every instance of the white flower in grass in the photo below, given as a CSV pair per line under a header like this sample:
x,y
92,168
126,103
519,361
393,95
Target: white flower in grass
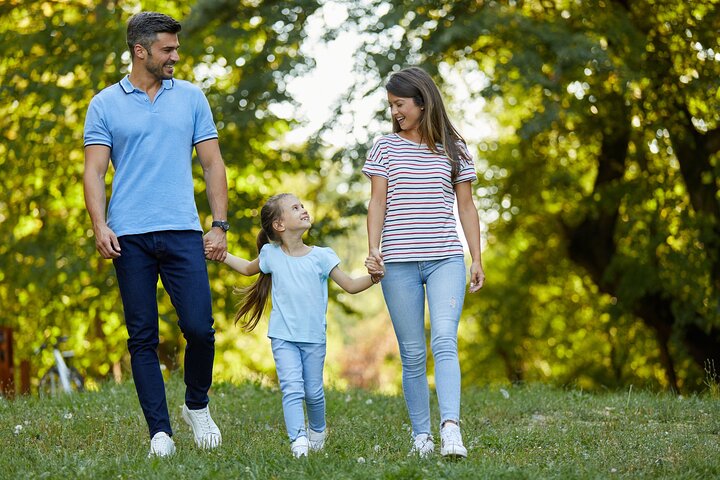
x,y
361,460
18,429
67,416
376,448
369,401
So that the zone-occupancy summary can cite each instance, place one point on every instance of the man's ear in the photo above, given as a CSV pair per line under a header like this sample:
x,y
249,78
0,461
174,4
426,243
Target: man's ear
x,y
140,51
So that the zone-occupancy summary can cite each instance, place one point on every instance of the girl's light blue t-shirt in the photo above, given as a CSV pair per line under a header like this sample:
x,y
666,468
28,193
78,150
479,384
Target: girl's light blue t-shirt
x,y
299,292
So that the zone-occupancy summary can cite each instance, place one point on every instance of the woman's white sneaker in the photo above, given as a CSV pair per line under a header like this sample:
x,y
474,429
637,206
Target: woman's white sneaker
x,y
161,445
423,445
451,444
316,439
300,446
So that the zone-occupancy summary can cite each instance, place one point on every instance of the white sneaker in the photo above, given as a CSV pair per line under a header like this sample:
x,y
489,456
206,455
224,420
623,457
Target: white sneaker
x,y
451,444
206,432
316,439
300,447
161,445
422,445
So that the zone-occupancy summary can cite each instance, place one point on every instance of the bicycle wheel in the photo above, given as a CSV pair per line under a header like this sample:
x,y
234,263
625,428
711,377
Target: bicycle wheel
x,y
50,385
77,382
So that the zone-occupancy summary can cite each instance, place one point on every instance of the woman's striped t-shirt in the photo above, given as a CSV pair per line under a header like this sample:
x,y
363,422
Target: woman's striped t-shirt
x,y
419,220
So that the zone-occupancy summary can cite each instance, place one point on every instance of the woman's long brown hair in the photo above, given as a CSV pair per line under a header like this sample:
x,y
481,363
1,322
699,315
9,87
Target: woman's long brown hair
x,y
255,297
435,126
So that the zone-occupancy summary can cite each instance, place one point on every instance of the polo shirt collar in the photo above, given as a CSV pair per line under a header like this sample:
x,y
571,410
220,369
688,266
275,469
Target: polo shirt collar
x,y
129,87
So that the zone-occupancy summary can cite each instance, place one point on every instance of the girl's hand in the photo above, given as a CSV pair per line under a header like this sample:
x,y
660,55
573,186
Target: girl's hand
x,y
477,277
374,264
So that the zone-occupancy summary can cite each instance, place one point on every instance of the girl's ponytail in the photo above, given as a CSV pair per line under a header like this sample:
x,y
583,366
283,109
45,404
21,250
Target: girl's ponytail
x,y
254,297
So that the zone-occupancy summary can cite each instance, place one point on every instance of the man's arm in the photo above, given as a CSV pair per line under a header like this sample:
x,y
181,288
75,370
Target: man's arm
x,y
97,159
216,185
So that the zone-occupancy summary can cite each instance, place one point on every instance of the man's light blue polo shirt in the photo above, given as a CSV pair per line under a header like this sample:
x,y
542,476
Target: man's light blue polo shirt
x,y
151,146
299,292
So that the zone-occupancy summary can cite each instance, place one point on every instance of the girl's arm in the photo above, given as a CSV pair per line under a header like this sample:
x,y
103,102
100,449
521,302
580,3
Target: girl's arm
x,y
246,267
349,284
376,215
471,226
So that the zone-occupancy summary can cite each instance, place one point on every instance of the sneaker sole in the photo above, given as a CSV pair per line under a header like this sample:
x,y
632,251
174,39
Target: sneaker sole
x,y
453,452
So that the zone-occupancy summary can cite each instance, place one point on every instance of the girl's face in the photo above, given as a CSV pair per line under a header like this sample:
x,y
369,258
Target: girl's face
x,y
294,216
405,112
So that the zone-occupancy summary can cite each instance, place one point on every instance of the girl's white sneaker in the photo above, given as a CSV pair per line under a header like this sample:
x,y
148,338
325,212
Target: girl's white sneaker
x,y
300,446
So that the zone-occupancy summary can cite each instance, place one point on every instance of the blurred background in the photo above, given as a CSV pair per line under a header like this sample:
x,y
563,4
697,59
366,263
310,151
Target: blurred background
x,y
596,135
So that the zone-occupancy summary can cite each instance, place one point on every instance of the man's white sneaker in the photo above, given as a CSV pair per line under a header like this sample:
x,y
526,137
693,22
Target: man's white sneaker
x,y
161,445
316,439
451,444
423,445
300,446
206,433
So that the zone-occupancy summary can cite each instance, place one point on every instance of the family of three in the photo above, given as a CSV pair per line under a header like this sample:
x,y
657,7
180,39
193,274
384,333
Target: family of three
x,y
148,125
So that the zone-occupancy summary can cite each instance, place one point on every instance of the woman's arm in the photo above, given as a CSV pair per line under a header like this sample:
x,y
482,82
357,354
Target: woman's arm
x,y
471,226
350,284
376,215
246,267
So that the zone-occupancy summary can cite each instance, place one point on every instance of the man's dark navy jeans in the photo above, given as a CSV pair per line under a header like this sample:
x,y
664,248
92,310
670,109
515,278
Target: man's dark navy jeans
x,y
178,258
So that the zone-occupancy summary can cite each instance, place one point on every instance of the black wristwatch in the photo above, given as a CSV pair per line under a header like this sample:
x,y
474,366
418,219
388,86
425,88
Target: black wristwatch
x,y
222,224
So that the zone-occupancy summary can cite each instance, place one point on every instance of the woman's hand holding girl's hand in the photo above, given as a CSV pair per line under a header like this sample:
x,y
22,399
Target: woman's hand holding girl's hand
x,y
374,263
477,277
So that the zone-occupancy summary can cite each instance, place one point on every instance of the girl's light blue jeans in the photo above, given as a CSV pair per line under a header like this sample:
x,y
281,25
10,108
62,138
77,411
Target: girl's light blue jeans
x,y
404,287
299,368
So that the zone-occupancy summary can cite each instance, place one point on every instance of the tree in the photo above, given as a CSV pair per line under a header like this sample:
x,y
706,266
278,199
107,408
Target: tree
x,y
606,174
53,58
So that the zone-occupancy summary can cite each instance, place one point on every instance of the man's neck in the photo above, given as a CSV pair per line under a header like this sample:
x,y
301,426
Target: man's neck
x,y
145,82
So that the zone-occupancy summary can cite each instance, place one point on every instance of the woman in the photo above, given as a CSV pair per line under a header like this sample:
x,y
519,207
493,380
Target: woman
x,y
416,173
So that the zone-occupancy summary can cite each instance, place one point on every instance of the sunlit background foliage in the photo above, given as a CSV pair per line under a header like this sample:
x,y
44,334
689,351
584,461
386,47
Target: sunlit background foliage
x,y
595,131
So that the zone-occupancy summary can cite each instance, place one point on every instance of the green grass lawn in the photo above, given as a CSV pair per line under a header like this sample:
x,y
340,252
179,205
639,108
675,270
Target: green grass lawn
x,y
519,432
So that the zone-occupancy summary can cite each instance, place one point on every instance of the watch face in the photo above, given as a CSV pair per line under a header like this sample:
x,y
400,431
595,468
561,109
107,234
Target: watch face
x,y
224,225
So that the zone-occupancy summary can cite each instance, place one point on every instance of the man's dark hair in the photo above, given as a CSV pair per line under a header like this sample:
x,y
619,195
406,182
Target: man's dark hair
x,y
143,28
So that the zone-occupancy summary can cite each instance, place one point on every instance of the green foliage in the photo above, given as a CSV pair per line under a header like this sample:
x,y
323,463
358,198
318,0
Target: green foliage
x,y
55,57
602,181
516,432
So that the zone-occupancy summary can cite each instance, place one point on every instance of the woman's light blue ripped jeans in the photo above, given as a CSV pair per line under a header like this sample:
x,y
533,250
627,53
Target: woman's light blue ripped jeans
x,y
404,287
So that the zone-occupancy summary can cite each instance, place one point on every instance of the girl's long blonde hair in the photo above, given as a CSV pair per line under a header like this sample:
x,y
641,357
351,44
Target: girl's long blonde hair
x,y
435,126
255,297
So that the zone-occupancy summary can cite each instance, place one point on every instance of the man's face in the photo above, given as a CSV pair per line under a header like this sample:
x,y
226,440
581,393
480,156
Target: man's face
x,y
163,55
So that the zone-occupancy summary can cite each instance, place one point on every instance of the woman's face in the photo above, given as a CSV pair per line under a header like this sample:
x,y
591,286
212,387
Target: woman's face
x,y
405,112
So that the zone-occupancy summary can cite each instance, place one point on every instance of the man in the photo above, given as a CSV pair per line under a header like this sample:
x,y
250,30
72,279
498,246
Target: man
x,y
147,125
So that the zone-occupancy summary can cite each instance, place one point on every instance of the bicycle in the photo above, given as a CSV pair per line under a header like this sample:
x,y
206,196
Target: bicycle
x,y
61,377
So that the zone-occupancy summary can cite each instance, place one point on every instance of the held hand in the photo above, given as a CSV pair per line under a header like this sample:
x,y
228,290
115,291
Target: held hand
x,y
374,263
106,242
477,277
215,245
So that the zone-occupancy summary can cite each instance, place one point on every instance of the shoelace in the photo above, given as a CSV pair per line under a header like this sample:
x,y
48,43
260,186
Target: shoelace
x,y
451,435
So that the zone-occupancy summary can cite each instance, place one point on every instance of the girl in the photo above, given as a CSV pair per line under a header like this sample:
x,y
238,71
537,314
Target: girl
x,y
297,276
416,173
